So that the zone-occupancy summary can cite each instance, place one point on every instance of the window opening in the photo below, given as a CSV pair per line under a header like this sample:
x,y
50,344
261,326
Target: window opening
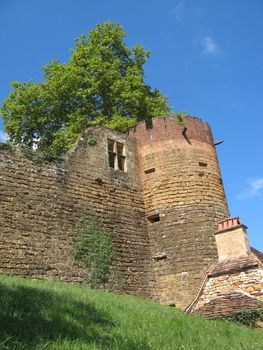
x,y
148,171
110,145
154,218
161,256
203,164
116,155
149,124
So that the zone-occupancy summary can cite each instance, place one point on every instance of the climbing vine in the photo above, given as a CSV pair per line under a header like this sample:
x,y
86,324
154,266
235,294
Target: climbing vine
x,y
91,141
246,318
93,248
6,146
179,117
40,156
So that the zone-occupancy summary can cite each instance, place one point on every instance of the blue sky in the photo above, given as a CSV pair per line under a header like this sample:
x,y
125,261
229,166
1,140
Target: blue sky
x,y
207,58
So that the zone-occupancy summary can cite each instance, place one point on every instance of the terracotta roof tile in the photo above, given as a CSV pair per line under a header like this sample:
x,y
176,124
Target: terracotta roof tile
x,y
227,304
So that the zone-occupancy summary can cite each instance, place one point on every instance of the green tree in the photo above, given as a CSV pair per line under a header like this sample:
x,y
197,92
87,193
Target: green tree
x,y
103,83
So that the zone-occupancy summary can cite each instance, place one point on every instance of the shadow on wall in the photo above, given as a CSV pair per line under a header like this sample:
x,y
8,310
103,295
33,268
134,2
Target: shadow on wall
x,y
33,318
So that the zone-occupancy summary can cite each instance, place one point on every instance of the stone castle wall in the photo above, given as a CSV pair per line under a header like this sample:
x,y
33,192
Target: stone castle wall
x,y
182,184
40,206
161,213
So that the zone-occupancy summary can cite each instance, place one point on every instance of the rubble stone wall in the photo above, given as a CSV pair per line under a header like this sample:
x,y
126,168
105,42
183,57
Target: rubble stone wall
x,y
161,213
41,204
250,282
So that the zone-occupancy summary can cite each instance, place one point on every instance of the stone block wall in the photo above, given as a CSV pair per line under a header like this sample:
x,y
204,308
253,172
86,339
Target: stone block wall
x,y
184,199
40,206
161,212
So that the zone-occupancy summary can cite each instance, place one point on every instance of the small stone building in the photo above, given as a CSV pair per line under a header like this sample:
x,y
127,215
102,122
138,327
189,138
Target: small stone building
x,y
235,282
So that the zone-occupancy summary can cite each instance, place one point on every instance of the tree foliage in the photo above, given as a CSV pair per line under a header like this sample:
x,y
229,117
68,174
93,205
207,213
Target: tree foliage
x,y
103,83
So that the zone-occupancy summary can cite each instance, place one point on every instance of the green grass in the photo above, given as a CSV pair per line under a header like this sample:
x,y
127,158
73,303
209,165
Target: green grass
x,y
51,315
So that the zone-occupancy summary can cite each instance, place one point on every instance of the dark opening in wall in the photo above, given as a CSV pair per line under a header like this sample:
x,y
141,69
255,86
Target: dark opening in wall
x,y
161,256
203,164
148,171
154,218
149,123
116,155
111,159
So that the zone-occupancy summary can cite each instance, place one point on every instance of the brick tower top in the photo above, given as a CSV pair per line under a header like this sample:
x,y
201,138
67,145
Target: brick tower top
x,y
167,127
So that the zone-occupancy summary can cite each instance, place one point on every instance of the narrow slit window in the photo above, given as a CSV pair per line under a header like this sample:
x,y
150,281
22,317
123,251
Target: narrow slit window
x,y
121,162
154,218
119,147
111,159
116,155
161,256
148,171
203,164
110,145
149,124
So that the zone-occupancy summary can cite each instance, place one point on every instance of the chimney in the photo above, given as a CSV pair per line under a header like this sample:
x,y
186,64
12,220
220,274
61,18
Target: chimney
x,y
231,239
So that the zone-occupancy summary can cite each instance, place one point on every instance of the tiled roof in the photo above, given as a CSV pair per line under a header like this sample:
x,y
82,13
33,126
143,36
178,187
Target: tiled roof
x,y
234,265
226,304
254,259
258,254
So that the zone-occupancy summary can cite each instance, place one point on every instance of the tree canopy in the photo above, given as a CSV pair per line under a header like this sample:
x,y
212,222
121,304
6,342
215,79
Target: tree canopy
x,y
103,83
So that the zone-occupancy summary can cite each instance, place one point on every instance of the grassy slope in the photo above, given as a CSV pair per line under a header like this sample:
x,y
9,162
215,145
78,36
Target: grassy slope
x,y
52,315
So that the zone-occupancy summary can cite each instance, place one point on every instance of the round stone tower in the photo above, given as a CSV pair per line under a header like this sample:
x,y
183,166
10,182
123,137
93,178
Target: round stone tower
x,y
184,200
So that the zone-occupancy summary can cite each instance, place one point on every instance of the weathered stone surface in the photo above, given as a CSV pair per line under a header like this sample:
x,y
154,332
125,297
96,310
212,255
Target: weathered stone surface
x,y
249,281
186,190
230,292
166,205
40,206
232,242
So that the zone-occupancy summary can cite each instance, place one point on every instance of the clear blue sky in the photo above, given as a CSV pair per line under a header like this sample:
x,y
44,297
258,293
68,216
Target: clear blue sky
x,y
207,58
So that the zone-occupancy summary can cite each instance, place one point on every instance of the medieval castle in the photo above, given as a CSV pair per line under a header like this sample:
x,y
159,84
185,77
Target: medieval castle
x,y
158,191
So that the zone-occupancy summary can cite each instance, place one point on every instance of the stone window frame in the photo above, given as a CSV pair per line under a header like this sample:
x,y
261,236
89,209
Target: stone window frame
x,y
117,155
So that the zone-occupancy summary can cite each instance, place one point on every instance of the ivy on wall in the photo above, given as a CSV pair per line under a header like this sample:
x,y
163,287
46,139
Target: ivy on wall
x,y
93,248
40,157
179,117
247,318
6,146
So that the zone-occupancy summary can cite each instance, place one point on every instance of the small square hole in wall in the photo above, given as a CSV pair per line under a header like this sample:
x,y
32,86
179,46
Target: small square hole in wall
x,y
202,164
154,218
148,171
